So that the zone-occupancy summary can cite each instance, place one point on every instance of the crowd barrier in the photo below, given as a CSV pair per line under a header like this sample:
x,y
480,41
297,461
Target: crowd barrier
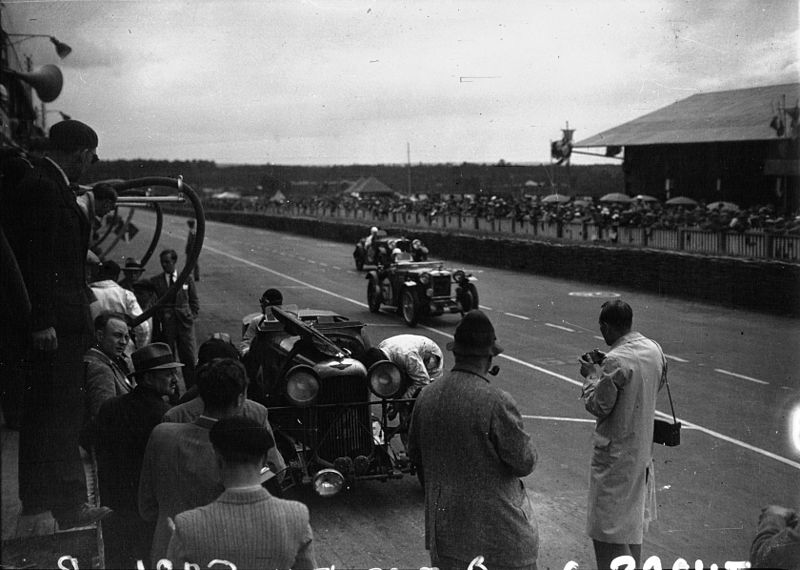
x,y
752,244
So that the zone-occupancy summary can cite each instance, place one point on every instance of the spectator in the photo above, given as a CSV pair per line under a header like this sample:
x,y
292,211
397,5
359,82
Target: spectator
x,y
620,389
777,540
124,424
270,298
176,317
191,237
462,420
106,370
184,451
133,271
113,297
246,525
39,212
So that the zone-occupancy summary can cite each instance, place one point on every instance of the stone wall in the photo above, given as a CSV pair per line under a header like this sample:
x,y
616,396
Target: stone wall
x,y
767,286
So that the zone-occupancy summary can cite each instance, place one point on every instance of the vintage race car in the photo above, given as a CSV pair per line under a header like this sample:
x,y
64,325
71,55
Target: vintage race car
x,y
379,251
330,415
420,289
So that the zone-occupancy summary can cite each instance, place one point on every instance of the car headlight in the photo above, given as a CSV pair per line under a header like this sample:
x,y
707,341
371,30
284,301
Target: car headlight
x,y
385,379
328,482
459,276
302,386
425,278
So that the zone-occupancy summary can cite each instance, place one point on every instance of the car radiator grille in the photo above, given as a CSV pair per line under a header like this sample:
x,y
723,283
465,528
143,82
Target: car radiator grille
x,y
344,431
441,286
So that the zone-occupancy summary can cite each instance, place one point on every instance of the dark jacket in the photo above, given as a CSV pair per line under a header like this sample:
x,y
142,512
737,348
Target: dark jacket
x,y
184,306
50,236
470,440
124,424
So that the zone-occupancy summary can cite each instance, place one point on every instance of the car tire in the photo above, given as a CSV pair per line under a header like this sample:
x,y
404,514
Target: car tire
x,y
469,298
373,295
409,307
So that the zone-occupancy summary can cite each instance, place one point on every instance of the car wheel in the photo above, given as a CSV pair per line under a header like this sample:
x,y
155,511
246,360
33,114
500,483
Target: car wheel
x,y
469,298
409,307
373,295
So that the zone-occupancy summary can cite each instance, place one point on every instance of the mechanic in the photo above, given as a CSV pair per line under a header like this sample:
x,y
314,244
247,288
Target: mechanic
x,y
270,298
418,357
373,233
418,251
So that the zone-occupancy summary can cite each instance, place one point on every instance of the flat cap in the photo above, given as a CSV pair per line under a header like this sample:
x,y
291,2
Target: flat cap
x,y
71,135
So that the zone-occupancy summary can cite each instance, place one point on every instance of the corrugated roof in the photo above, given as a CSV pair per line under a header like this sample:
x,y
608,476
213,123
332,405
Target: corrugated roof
x,y
721,116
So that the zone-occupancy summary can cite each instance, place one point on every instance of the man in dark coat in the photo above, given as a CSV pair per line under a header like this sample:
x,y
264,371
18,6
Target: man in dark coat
x,y
469,440
176,317
49,236
124,424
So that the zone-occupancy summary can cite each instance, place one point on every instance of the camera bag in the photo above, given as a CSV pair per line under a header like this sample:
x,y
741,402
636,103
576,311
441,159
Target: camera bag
x,y
664,432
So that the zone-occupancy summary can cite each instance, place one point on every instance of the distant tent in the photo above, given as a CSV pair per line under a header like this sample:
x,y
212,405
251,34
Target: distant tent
x,y
228,195
369,185
278,198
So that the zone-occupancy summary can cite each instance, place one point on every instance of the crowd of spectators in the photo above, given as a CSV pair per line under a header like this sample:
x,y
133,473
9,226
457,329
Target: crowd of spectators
x,y
647,214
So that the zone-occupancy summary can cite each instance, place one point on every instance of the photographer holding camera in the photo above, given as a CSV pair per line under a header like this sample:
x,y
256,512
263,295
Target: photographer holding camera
x,y
620,389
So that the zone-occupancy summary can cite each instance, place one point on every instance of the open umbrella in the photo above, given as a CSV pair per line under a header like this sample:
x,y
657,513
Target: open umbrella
x,y
617,197
645,198
556,199
729,206
681,201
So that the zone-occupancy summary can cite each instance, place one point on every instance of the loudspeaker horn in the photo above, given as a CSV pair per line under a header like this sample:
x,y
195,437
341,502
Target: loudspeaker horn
x,y
47,81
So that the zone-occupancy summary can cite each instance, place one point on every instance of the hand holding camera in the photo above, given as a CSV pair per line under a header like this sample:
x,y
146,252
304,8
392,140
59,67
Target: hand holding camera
x,y
589,359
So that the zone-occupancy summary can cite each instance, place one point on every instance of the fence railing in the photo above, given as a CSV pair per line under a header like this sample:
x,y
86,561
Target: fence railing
x,y
752,244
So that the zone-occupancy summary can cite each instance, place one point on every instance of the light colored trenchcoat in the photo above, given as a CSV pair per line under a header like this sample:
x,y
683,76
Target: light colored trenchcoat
x,y
621,393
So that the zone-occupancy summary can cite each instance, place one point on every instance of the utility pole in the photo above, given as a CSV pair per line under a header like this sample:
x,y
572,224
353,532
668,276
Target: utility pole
x,y
408,158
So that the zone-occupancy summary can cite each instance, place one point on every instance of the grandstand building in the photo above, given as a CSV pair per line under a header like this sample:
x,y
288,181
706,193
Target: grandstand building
x,y
739,146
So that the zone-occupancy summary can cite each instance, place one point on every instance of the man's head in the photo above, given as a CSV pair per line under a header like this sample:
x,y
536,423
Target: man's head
x,y
73,145
108,270
616,319
216,347
111,333
133,269
154,366
105,198
168,259
270,298
475,339
241,441
373,231
223,386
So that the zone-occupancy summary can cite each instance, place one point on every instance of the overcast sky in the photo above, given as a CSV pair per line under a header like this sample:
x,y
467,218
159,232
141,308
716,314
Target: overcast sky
x,y
343,82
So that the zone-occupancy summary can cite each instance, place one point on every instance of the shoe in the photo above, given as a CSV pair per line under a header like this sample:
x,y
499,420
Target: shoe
x,y
84,515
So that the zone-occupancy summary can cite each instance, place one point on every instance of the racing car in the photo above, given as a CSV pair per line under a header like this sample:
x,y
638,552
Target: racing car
x,y
420,289
329,413
379,252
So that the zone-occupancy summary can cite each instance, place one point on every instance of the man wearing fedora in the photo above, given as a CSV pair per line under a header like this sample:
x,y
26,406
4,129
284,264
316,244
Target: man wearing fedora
x,y
469,440
124,424
133,271
49,236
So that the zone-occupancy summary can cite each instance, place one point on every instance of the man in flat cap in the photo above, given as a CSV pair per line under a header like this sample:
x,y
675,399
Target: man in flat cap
x,y
49,236
469,440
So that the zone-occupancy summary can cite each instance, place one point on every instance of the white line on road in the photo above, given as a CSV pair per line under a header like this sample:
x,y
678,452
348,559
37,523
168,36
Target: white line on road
x,y
688,424
336,267
523,317
559,327
742,376
598,337
675,358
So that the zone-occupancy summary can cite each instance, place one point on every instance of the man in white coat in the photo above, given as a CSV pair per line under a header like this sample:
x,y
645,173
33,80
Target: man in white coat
x,y
620,389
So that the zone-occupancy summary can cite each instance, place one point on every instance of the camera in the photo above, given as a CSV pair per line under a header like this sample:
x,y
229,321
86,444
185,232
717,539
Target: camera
x,y
595,356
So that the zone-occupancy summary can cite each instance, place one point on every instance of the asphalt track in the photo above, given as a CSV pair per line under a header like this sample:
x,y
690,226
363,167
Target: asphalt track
x,y
733,374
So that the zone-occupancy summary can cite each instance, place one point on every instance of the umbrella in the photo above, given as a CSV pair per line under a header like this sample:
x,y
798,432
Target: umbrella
x,y
645,198
681,201
556,199
616,197
723,206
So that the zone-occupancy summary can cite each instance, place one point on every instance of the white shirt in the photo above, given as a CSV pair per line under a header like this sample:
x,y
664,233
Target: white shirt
x,y
112,297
